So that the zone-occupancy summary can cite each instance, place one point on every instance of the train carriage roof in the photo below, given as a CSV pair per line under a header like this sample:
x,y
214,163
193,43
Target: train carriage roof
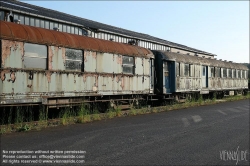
x,y
171,56
24,33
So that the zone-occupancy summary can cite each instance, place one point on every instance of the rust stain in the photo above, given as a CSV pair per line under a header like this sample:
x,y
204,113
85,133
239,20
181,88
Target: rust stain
x,y
119,59
63,54
86,53
48,75
12,77
3,72
96,80
51,37
93,54
50,58
6,49
122,83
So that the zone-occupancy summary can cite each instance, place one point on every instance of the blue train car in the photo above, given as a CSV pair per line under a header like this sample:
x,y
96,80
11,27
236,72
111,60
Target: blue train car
x,y
182,74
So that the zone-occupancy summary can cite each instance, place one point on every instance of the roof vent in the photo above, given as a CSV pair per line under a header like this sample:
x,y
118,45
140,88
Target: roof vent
x,y
225,60
17,21
56,28
131,42
111,39
230,61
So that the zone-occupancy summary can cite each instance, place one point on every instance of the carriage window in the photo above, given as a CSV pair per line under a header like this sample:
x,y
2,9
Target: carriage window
x,y
234,73
177,69
239,73
186,70
1,15
217,72
27,20
42,24
35,56
243,73
47,24
230,73
224,73
212,72
128,64
190,70
203,70
21,19
73,59
32,22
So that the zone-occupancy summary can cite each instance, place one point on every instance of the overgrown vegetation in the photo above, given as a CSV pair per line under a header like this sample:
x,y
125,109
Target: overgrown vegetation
x,y
29,118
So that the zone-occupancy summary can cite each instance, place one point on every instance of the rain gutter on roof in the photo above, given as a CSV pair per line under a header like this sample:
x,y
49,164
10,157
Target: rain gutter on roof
x,y
40,16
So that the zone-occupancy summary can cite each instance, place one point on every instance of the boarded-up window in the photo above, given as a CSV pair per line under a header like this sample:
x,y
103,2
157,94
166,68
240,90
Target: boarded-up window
x,y
186,70
128,65
177,69
35,56
73,59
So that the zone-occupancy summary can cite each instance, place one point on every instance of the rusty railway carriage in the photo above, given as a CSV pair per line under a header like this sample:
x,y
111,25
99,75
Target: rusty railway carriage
x,y
40,66
55,69
183,75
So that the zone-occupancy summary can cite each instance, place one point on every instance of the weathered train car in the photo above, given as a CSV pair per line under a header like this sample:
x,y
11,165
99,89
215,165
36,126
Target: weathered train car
x,y
56,68
179,73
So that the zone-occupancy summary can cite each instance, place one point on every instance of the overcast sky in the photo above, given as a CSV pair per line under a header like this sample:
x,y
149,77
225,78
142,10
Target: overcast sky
x,y
218,27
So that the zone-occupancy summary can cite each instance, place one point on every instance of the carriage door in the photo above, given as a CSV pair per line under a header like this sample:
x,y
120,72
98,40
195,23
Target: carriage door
x,y
152,75
204,76
166,76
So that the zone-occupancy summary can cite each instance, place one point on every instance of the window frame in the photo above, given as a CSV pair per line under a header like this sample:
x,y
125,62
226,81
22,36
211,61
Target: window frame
x,y
29,55
128,65
67,59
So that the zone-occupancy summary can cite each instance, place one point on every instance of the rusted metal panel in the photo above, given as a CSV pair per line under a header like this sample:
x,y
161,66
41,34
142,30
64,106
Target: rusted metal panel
x,y
12,54
139,62
146,67
49,38
44,36
34,35
89,61
105,63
